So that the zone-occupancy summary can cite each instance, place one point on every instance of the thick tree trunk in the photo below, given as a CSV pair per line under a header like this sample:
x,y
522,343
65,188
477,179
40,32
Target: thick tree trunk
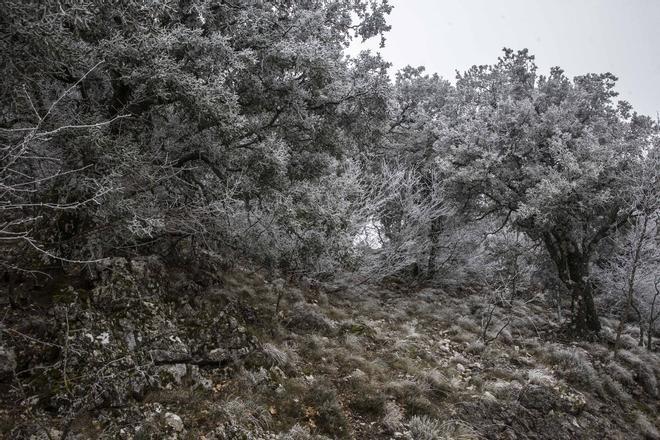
x,y
573,269
586,318
576,276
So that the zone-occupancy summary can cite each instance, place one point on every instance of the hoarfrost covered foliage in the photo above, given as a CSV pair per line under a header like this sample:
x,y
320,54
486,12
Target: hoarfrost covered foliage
x,y
245,134
404,244
185,126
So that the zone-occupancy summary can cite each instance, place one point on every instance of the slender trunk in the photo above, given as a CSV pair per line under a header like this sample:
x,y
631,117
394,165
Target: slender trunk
x,y
619,329
514,281
640,322
649,337
653,316
280,294
630,285
560,319
434,237
10,289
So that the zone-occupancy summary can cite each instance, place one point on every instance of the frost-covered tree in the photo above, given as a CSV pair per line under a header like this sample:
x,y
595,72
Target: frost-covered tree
x,y
415,216
401,207
629,271
221,110
545,154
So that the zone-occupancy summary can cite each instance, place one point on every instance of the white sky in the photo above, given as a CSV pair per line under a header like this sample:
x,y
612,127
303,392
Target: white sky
x,y
580,36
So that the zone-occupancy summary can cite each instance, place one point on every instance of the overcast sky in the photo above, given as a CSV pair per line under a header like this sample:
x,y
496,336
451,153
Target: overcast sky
x,y
581,36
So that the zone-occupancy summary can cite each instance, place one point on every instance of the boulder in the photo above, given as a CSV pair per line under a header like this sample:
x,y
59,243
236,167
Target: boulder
x,y
173,421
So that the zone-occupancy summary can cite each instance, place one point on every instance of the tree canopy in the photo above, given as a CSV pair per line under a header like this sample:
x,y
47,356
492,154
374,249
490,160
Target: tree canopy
x,y
243,130
550,156
176,121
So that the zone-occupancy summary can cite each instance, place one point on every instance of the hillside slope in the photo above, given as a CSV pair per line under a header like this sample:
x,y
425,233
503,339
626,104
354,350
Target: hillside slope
x,y
144,351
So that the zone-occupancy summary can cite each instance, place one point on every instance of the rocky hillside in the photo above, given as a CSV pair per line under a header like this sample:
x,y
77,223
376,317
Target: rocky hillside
x,y
136,350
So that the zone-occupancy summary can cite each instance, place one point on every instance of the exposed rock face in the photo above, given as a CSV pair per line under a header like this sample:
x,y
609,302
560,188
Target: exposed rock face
x,y
7,362
176,372
133,333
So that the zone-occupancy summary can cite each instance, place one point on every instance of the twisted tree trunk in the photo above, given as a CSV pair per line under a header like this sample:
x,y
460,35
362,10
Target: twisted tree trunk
x,y
586,318
573,269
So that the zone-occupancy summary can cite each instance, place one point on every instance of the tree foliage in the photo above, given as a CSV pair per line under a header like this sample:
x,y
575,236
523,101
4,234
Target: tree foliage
x,y
548,155
229,130
179,120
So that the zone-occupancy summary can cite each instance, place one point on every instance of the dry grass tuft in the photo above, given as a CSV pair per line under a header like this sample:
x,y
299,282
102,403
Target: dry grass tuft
x,y
646,428
469,324
644,371
246,414
504,390
620,373
298,432
437,384
575,366
309,317
426,428
476,347
367,399
393,416
615,390
541,376
275,356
